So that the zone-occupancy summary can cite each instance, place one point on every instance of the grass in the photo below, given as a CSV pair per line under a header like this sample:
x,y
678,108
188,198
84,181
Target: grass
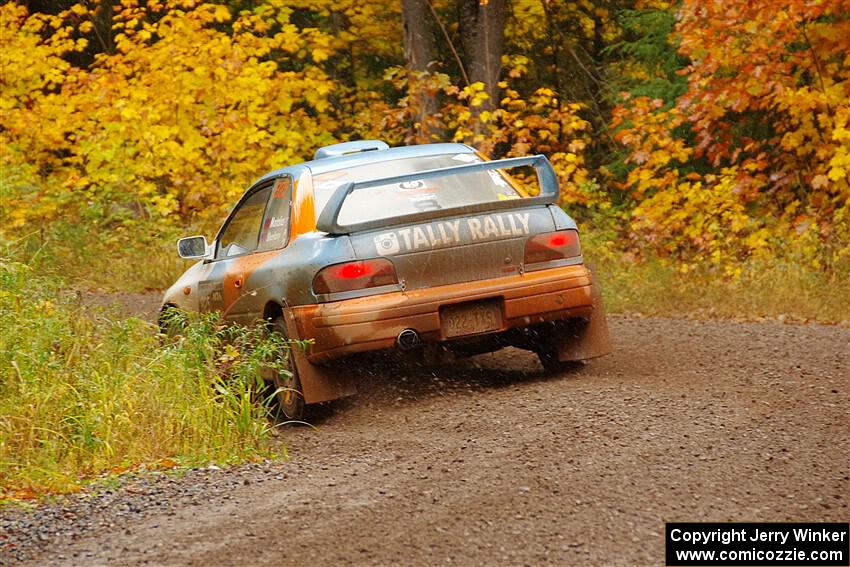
x,y
83,392
762,290
96,256
780,287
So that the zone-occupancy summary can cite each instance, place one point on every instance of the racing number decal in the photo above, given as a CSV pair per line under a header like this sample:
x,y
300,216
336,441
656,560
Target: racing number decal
x,y
210,296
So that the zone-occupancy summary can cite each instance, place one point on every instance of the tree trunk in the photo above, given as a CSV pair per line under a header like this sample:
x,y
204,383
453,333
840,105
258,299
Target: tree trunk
x,y
420,53
482,35
419,46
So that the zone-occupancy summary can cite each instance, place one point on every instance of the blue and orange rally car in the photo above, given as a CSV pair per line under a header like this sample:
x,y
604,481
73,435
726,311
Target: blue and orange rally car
x,y
430,249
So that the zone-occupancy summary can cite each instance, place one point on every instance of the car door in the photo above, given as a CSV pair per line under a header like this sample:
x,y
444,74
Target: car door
x,y
254,232
237,239
261,273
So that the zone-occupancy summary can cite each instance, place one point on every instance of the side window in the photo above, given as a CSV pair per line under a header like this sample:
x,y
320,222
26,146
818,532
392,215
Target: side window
x,y
275,231
241,235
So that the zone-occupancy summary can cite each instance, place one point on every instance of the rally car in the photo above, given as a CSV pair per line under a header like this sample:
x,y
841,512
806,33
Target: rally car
x,y
429,249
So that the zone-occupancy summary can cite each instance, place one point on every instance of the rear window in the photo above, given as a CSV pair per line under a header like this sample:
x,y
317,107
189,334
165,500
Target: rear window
x,y
413,196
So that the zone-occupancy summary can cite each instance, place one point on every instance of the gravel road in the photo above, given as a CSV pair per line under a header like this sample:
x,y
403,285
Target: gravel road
x,y
494,463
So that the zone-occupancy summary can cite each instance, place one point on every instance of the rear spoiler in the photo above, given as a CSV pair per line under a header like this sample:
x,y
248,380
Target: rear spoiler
x,y
549,193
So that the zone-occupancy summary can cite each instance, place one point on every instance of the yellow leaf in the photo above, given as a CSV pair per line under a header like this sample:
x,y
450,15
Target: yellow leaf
x,y
222,13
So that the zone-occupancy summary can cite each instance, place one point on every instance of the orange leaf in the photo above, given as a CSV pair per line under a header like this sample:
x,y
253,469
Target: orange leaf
x,y
819,181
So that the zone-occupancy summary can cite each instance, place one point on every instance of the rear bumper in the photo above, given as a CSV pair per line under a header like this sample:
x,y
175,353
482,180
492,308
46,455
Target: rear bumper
x,y
373,322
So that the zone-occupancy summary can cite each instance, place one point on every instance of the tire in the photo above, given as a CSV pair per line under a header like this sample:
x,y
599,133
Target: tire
x,y
171,321
290,400
548,356
549,359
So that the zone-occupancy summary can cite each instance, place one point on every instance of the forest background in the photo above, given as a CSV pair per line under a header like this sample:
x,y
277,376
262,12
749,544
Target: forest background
x,y
702,145
709,139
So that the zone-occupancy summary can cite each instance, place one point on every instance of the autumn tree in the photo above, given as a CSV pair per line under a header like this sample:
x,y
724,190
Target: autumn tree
x,y
193,104
755,152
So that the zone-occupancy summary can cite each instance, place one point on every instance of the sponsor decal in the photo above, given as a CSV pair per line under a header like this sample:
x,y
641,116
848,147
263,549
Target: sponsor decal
x,y
280,189
387,244
451,232
414,184
467,158
497,179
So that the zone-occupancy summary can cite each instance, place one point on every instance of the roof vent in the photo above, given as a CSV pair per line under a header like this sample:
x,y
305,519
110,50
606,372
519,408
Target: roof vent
x,y
350,148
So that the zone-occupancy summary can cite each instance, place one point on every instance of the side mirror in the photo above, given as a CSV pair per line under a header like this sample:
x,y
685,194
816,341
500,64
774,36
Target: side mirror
x,y
192,247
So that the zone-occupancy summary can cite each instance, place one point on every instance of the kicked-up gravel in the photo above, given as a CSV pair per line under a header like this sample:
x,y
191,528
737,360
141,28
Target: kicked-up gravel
x,y
492,462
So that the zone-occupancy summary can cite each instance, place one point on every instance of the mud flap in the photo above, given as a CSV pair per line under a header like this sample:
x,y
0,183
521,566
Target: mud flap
x,y
319,383
590,339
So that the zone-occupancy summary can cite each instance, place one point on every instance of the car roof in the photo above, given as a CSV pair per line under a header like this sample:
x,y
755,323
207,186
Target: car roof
x,y
323,165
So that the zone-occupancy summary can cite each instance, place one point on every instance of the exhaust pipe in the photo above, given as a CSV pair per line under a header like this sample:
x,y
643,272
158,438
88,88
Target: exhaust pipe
x,y
408,339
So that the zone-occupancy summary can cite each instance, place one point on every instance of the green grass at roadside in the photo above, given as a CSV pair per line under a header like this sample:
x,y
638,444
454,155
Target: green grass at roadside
x,y
84,392
763,289
89,256
776,287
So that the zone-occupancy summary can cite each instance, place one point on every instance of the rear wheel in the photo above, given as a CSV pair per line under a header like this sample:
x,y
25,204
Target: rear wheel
x,y
287,384
549,359
547,346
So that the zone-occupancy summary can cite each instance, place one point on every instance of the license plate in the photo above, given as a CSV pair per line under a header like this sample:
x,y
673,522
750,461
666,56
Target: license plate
x,y
471,318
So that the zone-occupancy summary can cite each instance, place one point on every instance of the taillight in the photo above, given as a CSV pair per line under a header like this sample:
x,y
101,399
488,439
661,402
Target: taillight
x,y
350,276
552,246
